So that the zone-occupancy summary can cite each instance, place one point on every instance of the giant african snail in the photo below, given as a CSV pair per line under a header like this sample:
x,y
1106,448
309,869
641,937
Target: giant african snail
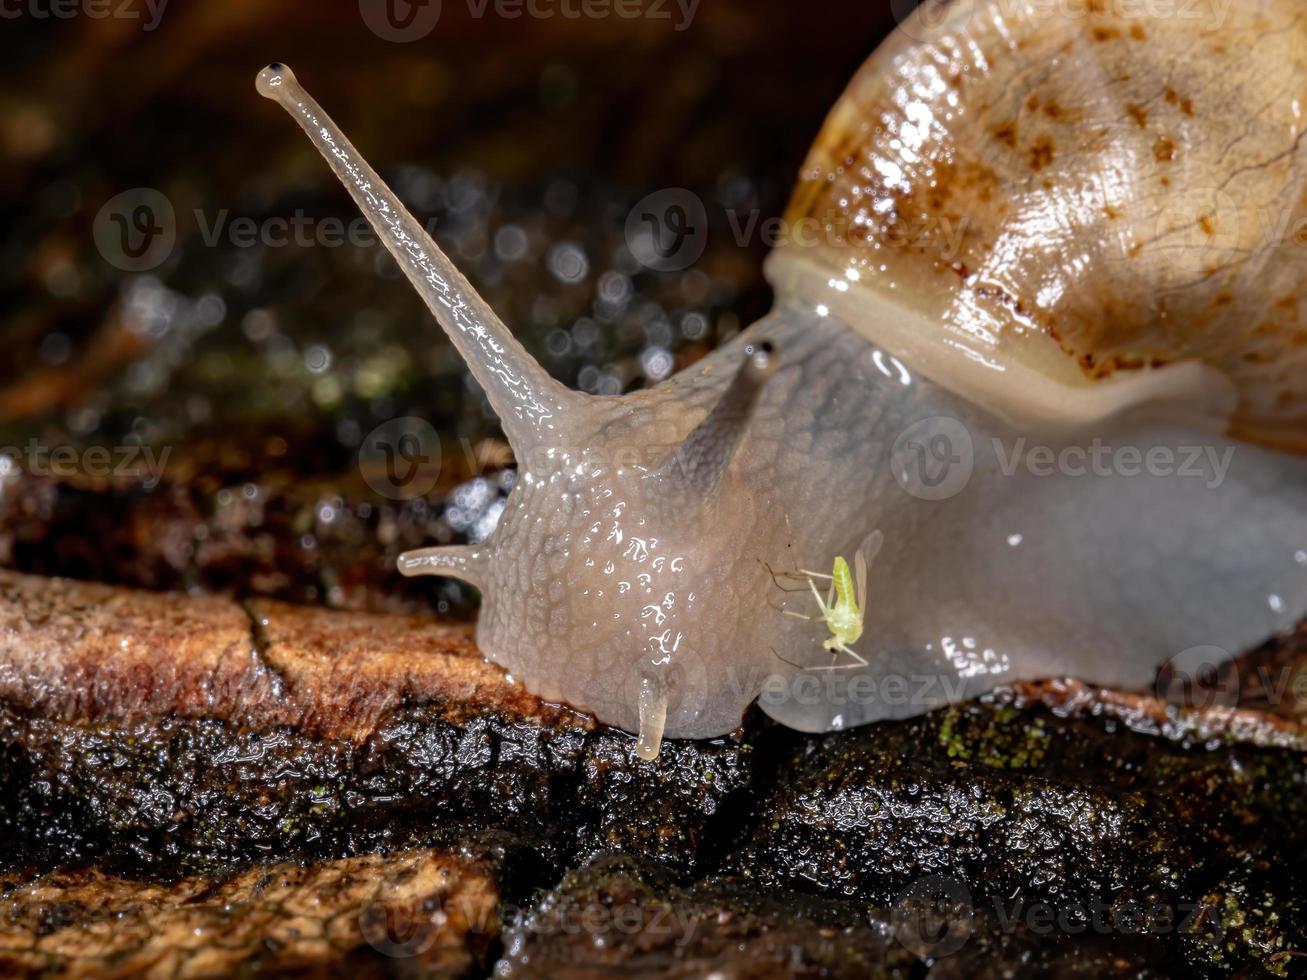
x,y
1076,432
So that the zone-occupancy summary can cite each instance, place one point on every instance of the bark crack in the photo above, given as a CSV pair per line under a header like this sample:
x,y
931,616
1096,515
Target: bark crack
x,y
260,647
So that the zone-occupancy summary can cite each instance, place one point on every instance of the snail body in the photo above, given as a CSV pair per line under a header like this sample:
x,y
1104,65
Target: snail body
x,y
1064,475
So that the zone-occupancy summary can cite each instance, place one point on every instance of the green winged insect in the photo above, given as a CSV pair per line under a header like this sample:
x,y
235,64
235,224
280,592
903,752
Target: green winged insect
x,y
845,606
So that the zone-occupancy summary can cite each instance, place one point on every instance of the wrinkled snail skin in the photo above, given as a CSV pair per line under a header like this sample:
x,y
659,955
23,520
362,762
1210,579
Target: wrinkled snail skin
x,y
647,565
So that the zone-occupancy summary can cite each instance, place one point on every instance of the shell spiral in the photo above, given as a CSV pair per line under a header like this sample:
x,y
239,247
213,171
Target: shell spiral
x,y
1085,193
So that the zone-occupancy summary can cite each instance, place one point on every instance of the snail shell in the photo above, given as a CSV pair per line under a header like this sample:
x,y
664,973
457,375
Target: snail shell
x,y
1061,212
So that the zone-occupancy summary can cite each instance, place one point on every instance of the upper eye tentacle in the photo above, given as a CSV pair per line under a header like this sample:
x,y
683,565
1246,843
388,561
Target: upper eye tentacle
x,y
699,462
532,407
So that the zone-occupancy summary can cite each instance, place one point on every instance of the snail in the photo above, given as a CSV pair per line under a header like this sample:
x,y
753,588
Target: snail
x,y
1039,337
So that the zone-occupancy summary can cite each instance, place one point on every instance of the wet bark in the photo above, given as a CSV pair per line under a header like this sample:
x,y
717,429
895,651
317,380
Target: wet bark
x,y
157,746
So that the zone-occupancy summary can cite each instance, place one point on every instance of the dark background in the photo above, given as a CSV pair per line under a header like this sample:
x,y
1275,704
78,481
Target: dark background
x,y
262,370
554,126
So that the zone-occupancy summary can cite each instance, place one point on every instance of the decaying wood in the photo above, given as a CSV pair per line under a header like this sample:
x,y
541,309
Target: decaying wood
x,y
163,734
83,652
433,910
171,762
1150,715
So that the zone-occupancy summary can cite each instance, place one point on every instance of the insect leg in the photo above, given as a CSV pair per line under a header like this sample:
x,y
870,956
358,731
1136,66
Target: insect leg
x,y
776,580
854,654
824,606
843,648
784,661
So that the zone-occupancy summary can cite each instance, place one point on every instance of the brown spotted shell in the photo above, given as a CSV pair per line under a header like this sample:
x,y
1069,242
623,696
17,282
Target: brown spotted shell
x,y
1092,189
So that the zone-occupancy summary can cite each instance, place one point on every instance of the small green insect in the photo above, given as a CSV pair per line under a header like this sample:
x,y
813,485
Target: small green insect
x,y
845,605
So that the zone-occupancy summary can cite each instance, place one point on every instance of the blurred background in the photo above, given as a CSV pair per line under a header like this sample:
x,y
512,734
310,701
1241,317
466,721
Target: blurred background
x,y
181,273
